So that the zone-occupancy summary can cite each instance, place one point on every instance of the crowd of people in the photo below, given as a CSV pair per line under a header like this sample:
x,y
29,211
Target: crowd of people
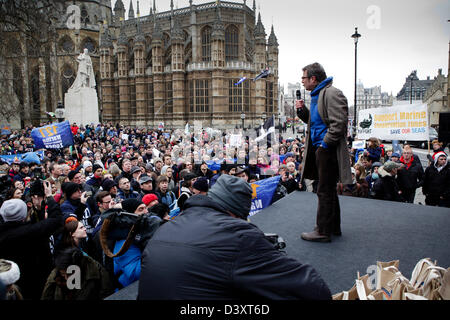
x,y
54,212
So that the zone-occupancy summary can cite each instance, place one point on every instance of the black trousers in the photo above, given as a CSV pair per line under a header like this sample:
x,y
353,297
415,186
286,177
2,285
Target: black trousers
x,y
328,210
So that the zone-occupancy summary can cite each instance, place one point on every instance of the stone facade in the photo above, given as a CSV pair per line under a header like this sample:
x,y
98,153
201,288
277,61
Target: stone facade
x,y
436,98
181,66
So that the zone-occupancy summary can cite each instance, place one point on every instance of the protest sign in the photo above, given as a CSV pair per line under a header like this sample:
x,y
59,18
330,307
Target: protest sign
x,y
400,122
28,157
263,191
53,136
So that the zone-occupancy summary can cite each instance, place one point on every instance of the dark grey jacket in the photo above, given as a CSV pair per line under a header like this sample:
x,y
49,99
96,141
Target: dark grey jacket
x,y
205,254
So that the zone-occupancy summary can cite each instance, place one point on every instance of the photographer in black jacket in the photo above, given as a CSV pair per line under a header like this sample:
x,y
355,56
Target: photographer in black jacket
x,y
212,252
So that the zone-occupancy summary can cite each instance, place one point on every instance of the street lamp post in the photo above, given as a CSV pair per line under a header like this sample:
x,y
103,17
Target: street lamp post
x,y
243,119
410,88
355,37
60,112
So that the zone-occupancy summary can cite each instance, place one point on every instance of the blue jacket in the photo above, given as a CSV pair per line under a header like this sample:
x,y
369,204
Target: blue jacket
x,y
132,195
318,127
128,266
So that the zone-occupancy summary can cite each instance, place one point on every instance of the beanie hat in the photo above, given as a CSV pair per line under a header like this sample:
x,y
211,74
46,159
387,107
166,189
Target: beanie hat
x,y
395,154
233,194
130,205
189,176
201,185
96,166
376,164
87,164
149,198
72,174
108,184
13,210
9,272
69,188
391,165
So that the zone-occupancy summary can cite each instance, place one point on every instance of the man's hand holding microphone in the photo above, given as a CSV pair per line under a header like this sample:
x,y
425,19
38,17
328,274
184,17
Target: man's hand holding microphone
x,y
299,103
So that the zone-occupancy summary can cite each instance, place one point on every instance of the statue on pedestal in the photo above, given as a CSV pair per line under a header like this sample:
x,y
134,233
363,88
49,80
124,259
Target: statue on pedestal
x,y
85,75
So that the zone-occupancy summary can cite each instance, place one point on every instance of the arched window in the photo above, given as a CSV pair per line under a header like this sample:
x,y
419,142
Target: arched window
x,y
66,44
67,78
18,83
231,43
206,44
14,47
35,93
89,44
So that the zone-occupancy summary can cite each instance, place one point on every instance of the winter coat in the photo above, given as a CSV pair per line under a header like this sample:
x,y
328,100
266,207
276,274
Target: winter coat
x,y
207,254
437,183
185,194
386,187
73,208
333,110
167,198
410,178
27,244
130,195
95,284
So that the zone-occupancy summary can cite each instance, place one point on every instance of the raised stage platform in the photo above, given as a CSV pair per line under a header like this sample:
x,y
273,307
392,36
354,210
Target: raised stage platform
x,y
372,231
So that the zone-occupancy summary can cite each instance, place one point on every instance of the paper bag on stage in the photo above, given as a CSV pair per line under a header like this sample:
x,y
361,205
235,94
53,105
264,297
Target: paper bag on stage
x,y
386,272
411,296
378,294
444,290
432,282
399,286
359,291
420,272
351,294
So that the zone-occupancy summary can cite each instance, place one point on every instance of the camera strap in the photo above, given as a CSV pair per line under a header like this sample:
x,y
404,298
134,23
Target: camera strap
x,y
104,231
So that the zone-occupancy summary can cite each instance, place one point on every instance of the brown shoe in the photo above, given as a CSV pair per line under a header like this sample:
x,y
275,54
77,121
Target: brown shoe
x,y
315,236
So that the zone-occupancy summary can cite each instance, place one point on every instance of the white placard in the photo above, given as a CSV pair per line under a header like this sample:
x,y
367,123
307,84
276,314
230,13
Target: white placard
x,y
400,122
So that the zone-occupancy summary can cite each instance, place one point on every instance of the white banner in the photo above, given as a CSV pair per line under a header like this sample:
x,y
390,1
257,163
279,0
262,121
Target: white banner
x,y
399,122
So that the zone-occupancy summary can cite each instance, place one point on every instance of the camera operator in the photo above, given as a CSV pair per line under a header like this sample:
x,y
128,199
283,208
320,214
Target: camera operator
x,y
213,252
27,242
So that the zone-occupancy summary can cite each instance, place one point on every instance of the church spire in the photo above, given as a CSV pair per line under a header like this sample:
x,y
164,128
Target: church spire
x,y
260,32
254,5
138,13
273,41
131,11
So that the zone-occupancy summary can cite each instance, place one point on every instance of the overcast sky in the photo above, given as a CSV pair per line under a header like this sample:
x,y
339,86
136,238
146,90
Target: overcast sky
x,y
398,36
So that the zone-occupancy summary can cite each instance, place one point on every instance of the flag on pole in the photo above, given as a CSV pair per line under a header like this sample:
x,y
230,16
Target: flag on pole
x,y
240,81
264,74
267,128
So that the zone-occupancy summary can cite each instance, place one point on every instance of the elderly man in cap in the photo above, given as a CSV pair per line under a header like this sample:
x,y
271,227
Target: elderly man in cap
x,y
146,184
212,252
386,187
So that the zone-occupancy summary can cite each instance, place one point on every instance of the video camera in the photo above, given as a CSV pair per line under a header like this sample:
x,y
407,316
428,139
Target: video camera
x,y
277,241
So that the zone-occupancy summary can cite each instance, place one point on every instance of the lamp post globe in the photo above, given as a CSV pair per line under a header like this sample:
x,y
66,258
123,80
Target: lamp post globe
x,y
355,37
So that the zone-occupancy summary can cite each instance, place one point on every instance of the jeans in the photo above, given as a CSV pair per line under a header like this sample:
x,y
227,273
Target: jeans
x,y
328,210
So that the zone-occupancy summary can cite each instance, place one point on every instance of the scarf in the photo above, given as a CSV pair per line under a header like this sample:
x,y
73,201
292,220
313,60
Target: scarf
x,y
402,160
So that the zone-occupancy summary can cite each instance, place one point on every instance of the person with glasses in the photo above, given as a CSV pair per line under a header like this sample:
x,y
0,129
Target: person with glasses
x,y
326,156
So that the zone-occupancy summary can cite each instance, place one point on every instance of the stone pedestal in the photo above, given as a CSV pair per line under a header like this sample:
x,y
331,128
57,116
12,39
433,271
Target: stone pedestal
x,y
82,106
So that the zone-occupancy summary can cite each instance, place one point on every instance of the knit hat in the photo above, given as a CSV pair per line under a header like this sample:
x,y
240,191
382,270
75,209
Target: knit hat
x,y
95,167
376,164
149,198
72,174
395,154
9,272
201,185
13,210
87,164
189,176
108,184
69,188
233,194
130,205
391,165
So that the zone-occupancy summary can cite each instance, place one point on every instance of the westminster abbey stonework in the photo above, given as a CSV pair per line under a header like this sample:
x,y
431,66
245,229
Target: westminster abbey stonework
x,y
173,67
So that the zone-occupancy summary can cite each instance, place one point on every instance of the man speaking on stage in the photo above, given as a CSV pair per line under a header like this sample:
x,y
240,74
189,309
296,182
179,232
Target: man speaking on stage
x,y
326,154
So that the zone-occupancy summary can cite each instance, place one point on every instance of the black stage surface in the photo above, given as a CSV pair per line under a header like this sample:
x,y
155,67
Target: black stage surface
x,y
372,231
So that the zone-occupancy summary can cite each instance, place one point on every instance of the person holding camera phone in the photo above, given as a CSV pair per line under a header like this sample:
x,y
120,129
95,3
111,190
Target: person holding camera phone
x,y
27,242
75,202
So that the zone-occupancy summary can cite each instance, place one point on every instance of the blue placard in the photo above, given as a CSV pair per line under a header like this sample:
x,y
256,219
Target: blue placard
x,y
54,136
28,157
263,191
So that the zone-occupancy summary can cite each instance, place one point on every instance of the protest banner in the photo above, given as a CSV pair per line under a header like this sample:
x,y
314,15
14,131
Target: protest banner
x,y
263,191
359,144
53,136
399,122
28,157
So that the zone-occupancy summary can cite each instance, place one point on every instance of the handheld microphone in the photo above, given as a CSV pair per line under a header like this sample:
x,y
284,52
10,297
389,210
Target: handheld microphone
x,y
299,95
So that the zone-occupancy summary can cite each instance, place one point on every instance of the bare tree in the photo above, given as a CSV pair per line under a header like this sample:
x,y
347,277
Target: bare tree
x,y
27,28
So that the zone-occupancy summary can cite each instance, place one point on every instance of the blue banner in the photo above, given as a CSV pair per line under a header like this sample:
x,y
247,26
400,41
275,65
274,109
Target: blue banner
x,y
28,157
262,194
53,136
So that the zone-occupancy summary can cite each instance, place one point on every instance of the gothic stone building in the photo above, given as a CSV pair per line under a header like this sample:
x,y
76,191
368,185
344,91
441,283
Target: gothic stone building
x,y
182,66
